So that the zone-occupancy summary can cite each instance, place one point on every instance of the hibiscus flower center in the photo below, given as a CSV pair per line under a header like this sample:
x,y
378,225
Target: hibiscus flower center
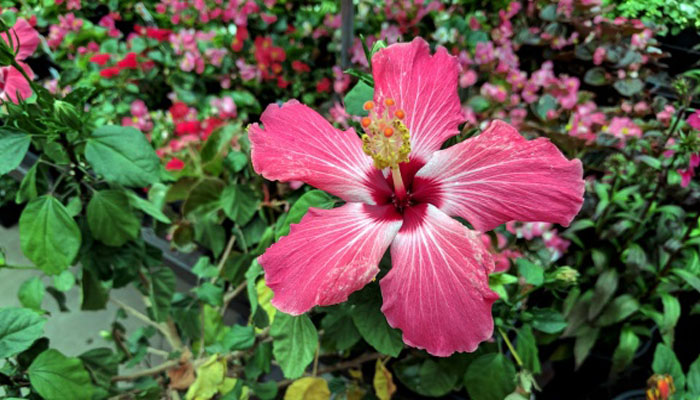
x,y
386,138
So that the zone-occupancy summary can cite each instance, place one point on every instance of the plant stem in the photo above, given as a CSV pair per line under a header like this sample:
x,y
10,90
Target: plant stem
x,y
338,367
148,372
224,257
510,347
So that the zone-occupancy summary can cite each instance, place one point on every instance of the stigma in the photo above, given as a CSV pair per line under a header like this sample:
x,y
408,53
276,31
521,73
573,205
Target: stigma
x,y
386,138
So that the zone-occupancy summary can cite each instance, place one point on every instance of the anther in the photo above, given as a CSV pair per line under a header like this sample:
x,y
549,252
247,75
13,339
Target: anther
x,y
366,121
400,114
388,132
389,102
368,105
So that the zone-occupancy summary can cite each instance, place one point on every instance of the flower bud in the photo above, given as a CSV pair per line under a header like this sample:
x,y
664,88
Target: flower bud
x,y
566,275
67,114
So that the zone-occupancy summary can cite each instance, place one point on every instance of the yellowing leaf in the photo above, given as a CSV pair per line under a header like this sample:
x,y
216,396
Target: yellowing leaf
x,y
211,380
355,393
264,297
308,388
384,386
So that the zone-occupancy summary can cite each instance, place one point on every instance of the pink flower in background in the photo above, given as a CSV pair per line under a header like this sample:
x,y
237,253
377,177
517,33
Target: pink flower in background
x,y
623,128
664,116
599,55
686,176
467,78
13,85
342,80
694,120
494,92
484,53
401,191
140,118
225,107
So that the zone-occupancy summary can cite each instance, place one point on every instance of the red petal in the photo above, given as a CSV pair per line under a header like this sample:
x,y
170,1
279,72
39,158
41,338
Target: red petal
x,y
328,255
298,144
500,176
424,87
437,291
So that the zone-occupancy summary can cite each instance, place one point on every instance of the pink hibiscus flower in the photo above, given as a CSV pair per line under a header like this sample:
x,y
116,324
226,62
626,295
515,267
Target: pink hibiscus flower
x,y
24,41
401,191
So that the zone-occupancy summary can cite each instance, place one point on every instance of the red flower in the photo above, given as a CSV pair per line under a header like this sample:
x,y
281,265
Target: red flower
x,y
175,164
241,36
187,127
179,110
128,62
100,59
158,34
324,85
110,72
210,124
282,83
300,66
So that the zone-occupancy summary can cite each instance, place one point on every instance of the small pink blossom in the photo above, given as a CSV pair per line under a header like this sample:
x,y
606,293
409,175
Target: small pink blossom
x,y
694,120
599,55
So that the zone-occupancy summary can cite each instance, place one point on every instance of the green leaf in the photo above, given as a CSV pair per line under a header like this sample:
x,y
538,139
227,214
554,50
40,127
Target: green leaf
x,y
694,378
533,273
622,307
548,320
688,277
19,328
672,312
31,293
372,325
239,338
57,377
356,98
27,188
595,76
628,87
526,346
295,342
666,362
102,364
313,198
48,235
339,330
204,269
162,290
625,350
239,203
13,146
123,155
64,281
110,218
490,377
147,206
585,340
210,294
431,377
605,287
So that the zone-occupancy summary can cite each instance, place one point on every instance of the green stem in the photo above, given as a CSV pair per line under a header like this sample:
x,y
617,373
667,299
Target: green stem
x,y
510,347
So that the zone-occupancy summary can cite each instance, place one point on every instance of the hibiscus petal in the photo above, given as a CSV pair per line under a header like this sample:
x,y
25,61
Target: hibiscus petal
x,y
437,291
28,38
328,255
298,144
500,176
15,83
424,87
